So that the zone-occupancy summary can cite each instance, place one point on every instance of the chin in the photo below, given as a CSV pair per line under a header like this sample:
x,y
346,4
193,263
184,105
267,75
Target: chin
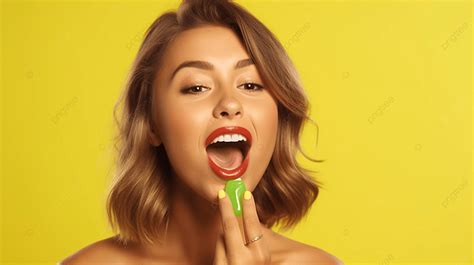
x,y
211,188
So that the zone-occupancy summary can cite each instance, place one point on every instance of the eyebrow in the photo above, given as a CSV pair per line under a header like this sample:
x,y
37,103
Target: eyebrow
x,y
208,66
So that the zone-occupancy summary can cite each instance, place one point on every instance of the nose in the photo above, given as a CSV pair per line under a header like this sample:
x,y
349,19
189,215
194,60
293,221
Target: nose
x,y
228,107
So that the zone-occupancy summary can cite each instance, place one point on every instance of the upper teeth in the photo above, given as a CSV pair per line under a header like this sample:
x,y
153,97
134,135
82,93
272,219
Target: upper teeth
x,y
229,138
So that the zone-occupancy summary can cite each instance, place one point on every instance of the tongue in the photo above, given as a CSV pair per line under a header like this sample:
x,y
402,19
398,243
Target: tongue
x,y
227,157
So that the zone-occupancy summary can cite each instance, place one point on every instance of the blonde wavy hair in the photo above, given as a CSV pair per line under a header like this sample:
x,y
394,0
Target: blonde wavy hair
x,y
138,200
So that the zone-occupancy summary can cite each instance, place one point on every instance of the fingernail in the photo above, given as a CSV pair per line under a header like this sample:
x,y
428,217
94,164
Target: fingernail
x,y
247,195
221,194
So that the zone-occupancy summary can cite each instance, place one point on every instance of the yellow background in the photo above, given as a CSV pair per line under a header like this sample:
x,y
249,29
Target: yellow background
x,y
390,88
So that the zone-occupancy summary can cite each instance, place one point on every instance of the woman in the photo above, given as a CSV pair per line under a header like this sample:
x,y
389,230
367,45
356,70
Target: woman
x,y
211,69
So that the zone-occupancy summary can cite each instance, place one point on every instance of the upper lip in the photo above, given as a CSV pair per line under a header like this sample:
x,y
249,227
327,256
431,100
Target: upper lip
x,y
229,130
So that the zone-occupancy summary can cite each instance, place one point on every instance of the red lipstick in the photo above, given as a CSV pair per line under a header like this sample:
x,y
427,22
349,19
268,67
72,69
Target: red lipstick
x,y
236,172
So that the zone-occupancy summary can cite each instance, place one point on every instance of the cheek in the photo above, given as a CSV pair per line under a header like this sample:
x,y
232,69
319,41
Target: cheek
x,y
182,129
265,119
179,122
266,122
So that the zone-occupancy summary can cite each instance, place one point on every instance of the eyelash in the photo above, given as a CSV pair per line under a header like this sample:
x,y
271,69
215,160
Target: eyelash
x,y
188,89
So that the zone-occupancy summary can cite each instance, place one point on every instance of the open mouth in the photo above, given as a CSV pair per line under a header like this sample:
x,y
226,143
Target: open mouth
x,y
227,150
228,155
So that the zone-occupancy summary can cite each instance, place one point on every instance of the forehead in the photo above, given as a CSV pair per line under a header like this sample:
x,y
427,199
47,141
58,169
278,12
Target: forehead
x,y
216,44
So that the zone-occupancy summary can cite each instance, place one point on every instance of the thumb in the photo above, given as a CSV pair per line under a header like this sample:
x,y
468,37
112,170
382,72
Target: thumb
x,y
220,255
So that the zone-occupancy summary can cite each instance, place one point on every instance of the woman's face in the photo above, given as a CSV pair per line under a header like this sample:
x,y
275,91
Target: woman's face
x,y
185,116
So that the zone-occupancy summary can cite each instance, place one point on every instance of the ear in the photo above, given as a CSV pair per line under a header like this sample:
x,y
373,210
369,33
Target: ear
x,y
153,138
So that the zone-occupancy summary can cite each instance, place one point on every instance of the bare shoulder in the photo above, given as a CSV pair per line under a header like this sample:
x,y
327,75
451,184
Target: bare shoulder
x,y
294,252
313,255
106,251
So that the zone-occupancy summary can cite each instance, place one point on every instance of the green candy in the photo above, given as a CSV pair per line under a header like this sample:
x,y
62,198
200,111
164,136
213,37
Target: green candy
x,y
235,189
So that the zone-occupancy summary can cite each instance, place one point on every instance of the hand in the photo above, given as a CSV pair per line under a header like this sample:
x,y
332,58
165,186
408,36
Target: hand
x,y
234,252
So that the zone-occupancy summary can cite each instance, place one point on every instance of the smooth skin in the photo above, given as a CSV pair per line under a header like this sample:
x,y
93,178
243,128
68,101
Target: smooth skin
x,y
202,229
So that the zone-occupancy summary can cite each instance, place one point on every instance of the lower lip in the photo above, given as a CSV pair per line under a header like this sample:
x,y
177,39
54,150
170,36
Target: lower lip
x,y
230,174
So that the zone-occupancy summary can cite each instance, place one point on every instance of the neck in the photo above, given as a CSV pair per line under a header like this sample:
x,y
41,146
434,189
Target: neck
x,y
192,231
194,225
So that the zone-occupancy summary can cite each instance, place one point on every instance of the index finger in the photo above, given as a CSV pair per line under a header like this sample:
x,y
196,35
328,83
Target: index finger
x,y
232,235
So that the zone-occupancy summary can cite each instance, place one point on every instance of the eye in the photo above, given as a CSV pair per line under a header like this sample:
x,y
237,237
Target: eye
x,y
252,87
194,89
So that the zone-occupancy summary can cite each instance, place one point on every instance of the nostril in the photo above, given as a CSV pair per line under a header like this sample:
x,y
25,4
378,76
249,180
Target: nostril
x,y
225,113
